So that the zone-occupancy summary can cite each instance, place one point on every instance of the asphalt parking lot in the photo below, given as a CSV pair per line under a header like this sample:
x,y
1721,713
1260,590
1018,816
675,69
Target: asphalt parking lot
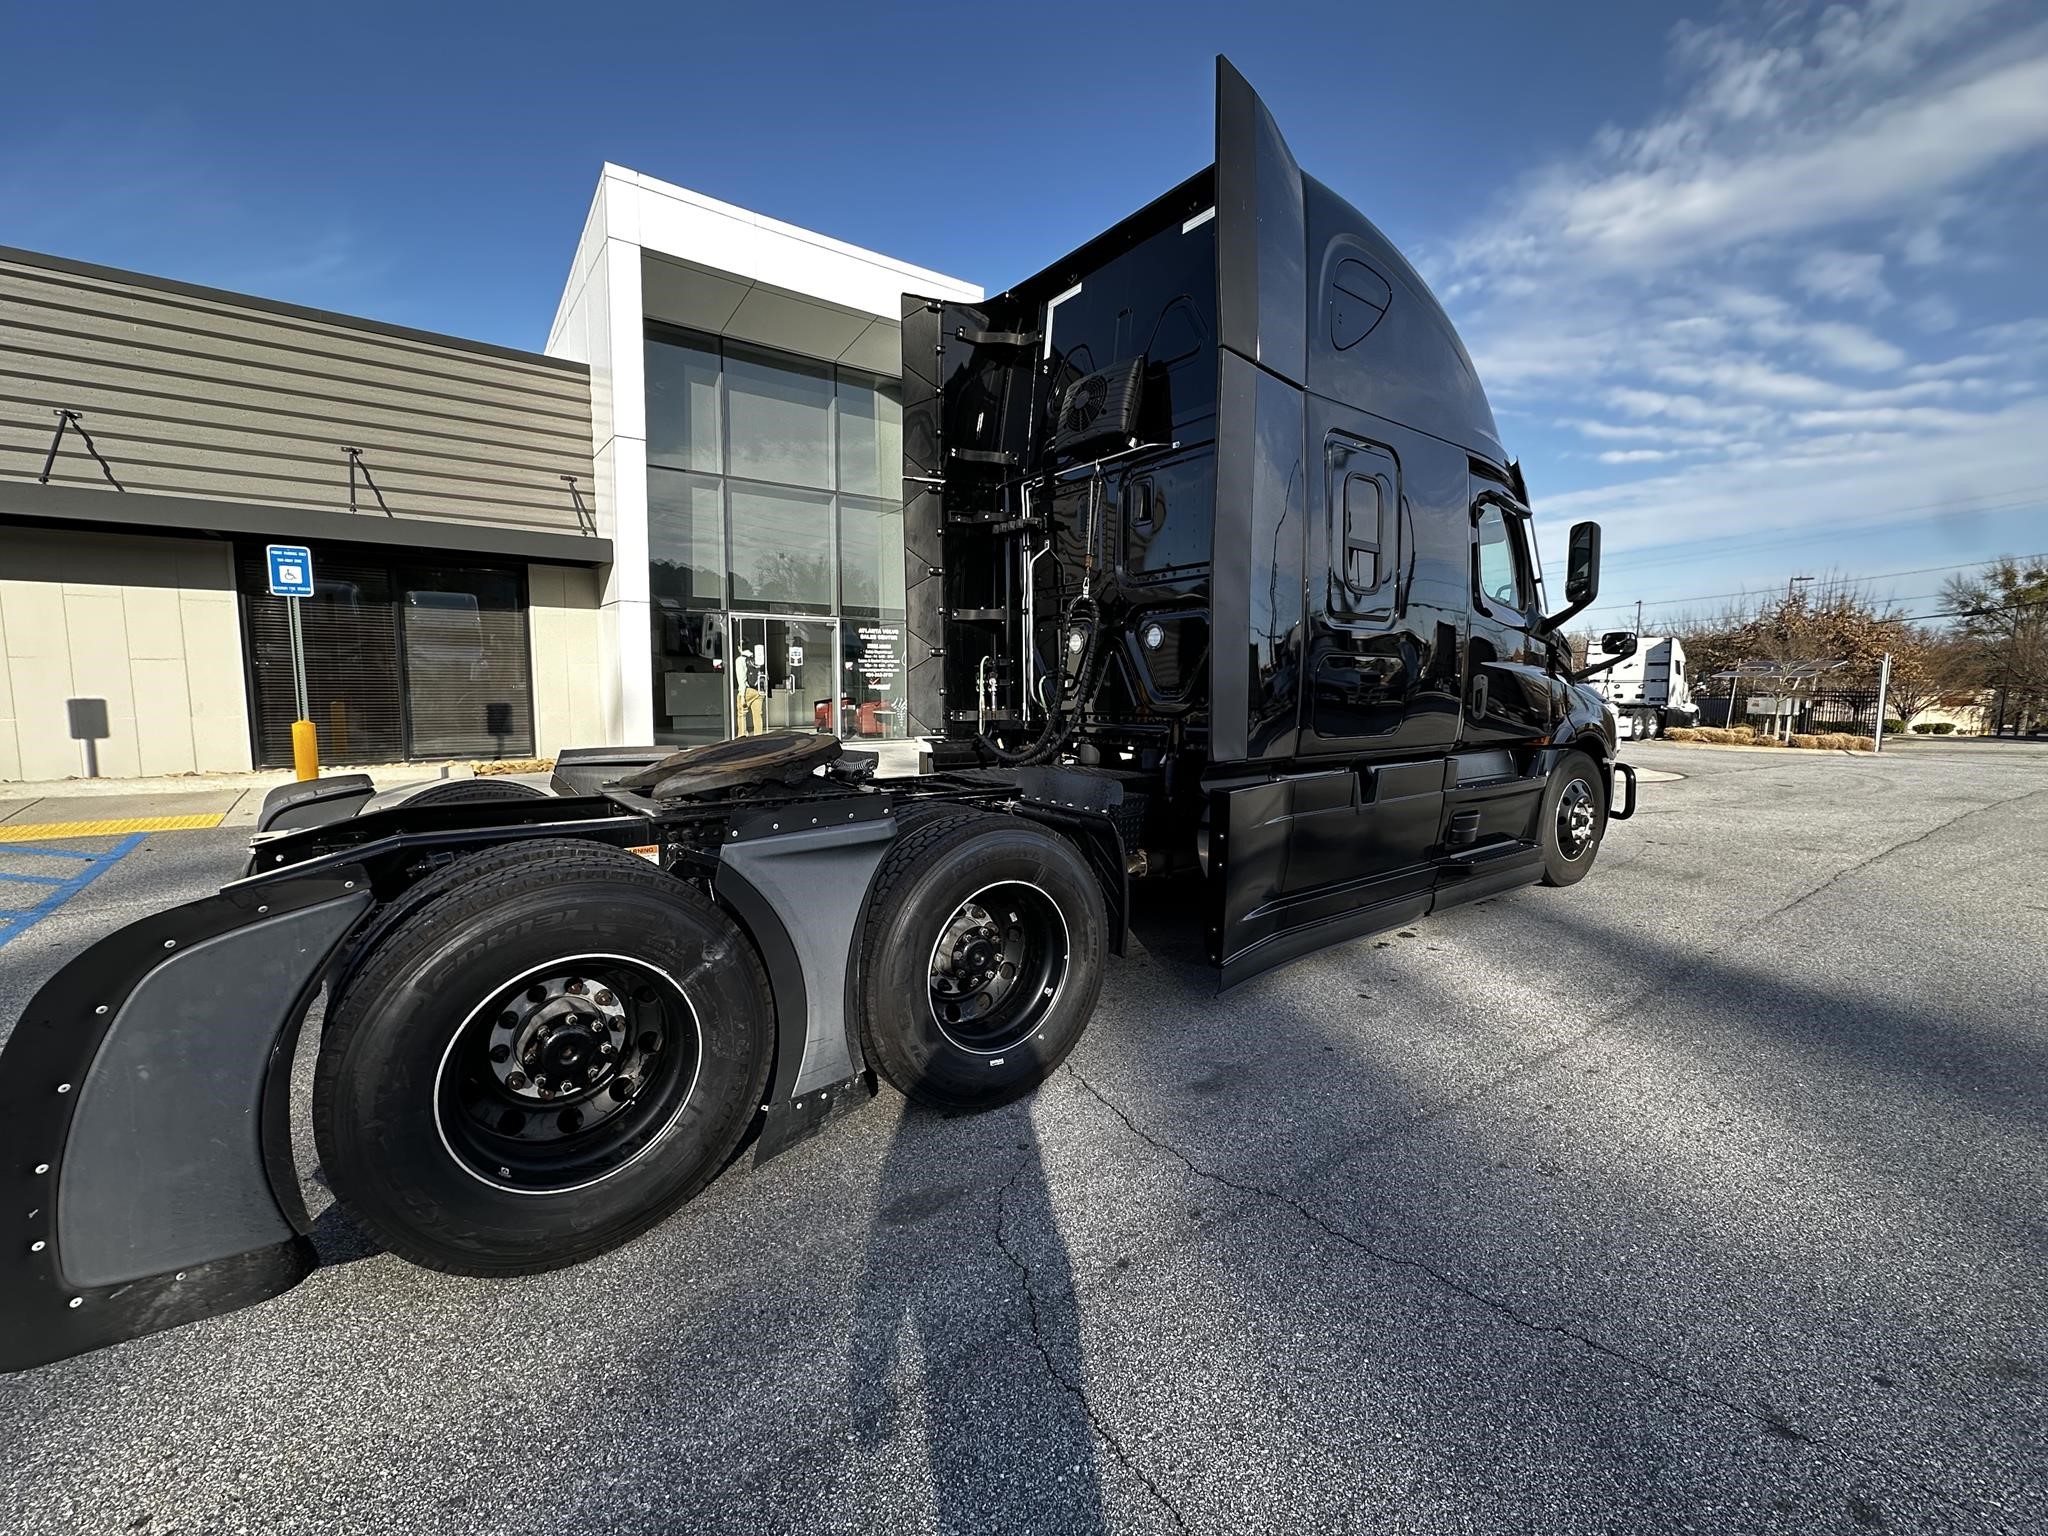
x,y
1710,1195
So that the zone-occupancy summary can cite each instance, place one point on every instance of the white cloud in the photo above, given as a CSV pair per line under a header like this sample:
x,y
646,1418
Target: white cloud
x,y
1845,277
1619,432
1669,193
1736,304
1969,362
1873,478
1851,346
1926,417
1924,246
1933,314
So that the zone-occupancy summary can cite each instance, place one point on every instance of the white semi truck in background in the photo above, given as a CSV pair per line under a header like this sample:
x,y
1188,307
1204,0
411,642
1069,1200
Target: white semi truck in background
x,y
1648,691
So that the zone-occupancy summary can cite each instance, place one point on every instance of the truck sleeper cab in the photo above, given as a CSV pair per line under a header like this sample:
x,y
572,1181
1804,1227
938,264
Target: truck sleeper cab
x,y
1216,570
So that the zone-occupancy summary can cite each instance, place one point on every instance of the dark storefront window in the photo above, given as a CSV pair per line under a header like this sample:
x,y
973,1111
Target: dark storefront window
x,y
871,557
781,548
686,537
772,489
405,658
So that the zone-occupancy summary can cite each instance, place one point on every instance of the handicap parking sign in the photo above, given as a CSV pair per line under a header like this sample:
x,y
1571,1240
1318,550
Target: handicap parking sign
x,y
291,570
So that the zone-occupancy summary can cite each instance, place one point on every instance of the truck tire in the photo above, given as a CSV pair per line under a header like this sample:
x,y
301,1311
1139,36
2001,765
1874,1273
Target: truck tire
x,y
407,904
981,959
543,1060
1573,819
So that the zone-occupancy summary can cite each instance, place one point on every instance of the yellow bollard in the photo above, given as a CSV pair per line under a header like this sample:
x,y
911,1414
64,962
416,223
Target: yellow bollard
x,y
305,750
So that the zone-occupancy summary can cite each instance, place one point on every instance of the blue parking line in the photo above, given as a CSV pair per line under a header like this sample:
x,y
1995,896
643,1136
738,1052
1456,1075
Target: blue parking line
x,y
14,922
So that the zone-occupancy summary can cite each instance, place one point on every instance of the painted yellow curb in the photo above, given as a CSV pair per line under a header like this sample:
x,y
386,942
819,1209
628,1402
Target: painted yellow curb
x,y
53,831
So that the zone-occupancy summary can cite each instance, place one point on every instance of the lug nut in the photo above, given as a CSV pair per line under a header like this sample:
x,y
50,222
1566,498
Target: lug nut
x,y
515,1080
575,985
606,1000
540,1086
593,1074
606,1048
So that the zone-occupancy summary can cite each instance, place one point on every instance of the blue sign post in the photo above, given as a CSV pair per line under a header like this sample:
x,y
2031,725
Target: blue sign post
x,y
291,578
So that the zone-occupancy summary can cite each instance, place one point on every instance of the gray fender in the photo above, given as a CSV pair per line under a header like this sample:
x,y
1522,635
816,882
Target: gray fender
x,y
798,881
146,1177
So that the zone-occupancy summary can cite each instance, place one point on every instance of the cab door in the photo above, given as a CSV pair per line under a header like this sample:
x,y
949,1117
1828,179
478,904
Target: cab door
x,y
1508,690
1380,669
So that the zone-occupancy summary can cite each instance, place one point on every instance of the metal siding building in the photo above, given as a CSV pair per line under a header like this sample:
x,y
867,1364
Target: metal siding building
x,y
153,435
524,552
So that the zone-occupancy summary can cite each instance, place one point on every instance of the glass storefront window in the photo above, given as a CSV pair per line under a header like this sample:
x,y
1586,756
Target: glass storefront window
x,y
692,684
772,488
685,537
780,412
871,557
870,435
682,406
781,548
871,680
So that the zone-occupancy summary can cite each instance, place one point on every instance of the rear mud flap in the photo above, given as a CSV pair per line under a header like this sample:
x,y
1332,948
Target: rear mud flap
x,y
146,1176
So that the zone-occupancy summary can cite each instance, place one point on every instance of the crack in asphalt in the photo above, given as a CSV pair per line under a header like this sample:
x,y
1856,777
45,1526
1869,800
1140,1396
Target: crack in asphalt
x,y
1621,1010
1073,1389
1770,1419
1654,989
1879,857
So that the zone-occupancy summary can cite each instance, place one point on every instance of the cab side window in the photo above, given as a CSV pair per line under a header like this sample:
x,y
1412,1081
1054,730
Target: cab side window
x,y
1498,567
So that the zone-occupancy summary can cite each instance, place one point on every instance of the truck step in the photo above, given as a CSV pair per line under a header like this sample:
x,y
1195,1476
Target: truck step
x,y
1489,859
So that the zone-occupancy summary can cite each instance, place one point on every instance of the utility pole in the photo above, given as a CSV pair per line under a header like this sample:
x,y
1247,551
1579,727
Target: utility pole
x,y
1639,616
1791,691
1884,682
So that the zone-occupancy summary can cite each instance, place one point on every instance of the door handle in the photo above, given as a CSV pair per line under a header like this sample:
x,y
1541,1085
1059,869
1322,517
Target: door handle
x,y
1478,697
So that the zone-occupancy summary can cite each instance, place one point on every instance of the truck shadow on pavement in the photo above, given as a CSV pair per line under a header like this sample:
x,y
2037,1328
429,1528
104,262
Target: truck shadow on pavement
x,y
1559,1259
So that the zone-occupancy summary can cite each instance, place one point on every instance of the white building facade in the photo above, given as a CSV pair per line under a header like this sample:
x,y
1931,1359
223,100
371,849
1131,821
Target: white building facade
x,y
746,431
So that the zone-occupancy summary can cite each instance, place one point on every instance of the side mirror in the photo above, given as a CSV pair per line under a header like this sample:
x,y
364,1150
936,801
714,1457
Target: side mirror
x,y
1618,642
1581,573
1582,565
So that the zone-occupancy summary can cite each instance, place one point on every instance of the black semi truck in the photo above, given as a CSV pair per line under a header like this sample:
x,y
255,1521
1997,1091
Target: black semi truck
x,y
1217,572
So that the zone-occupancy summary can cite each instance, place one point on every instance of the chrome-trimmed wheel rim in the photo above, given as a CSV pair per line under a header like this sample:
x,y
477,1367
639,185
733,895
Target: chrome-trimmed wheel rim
x,y
996,968
1577,820
567,1074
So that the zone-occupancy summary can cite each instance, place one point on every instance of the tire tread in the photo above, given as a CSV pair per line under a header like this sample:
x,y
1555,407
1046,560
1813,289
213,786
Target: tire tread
x,y
554,859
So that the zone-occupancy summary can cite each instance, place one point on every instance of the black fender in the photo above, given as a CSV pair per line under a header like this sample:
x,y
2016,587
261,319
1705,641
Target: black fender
x,y
146,1176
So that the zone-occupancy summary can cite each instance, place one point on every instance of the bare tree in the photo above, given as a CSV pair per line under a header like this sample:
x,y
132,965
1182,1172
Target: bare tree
x,y
2002,623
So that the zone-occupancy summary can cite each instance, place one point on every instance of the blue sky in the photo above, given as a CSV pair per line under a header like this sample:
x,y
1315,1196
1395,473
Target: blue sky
x,y
1760,286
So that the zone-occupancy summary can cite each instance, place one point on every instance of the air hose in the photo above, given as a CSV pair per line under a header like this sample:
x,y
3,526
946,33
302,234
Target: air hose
x,y
1060,721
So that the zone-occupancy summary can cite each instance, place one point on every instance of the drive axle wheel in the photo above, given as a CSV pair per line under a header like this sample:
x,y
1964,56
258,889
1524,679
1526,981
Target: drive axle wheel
x,y
1573,819
981,960
997,967
539,1061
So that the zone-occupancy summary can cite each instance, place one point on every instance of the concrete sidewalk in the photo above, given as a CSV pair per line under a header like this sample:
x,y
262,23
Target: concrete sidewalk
x,y
39,810
47,809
